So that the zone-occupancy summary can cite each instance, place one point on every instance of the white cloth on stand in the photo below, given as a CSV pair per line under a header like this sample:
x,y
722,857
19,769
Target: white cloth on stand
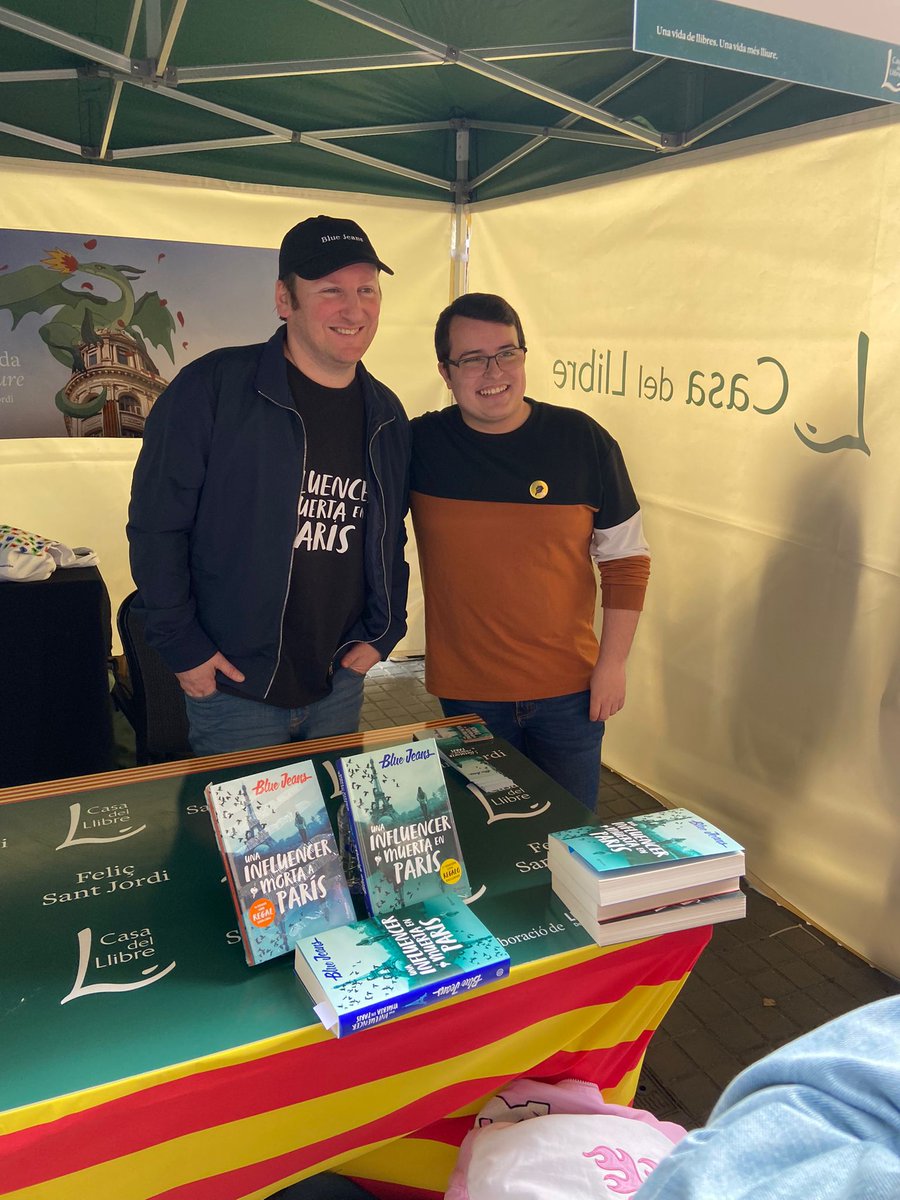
x,y
28,556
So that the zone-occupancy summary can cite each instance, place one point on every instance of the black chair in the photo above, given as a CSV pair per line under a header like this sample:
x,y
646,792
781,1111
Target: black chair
x,y
150,698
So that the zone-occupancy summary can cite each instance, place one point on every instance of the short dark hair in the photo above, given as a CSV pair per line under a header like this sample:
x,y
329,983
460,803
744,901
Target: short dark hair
x,y
290,282
478,306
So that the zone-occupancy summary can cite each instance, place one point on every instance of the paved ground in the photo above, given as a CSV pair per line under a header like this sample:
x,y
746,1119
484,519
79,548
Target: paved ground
x,y
761,982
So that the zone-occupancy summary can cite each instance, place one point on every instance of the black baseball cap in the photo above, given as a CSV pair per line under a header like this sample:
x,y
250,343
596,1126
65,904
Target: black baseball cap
x,y
320,245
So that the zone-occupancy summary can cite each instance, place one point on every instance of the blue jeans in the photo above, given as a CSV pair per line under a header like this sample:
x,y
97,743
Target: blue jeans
x,y
224,722
557,734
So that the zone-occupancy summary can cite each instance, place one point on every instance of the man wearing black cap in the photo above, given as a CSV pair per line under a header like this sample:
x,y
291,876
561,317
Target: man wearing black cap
x,y
266,519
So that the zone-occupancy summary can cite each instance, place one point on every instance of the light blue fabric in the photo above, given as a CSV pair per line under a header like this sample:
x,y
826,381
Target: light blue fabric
x,y
817,1119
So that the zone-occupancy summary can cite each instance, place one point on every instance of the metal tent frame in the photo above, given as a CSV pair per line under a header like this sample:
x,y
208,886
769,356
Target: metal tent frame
x,y
110,85
160,71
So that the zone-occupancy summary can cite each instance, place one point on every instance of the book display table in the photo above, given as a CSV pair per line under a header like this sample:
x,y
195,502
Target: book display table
x,y
142,1057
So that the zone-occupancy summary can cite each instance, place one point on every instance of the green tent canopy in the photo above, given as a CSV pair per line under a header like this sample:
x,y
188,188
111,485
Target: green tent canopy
x,y
445,100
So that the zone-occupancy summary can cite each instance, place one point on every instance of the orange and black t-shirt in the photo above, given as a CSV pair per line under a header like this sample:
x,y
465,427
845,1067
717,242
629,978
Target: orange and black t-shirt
x,y
508,528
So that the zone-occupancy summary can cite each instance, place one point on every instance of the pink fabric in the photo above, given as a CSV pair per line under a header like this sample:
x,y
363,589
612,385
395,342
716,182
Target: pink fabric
x,y
580,1142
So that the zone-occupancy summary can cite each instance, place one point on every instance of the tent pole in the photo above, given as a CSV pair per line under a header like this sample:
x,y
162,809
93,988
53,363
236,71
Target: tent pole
x,y
459,235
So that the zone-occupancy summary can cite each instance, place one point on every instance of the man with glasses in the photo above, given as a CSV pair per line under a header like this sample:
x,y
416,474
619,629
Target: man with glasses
x,y
513,502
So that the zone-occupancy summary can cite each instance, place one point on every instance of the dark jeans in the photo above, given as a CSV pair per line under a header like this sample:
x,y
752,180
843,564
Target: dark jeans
x,y
557,734
223,722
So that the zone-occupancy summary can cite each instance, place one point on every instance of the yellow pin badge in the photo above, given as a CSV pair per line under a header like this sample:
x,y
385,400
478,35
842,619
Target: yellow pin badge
x,y
539,489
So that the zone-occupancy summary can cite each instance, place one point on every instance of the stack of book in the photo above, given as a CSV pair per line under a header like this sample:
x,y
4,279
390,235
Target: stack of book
x,y
464,747
421,942
648,875
479,761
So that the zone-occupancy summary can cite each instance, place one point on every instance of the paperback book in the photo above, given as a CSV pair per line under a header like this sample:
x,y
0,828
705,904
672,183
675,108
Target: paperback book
x,y
280,858
708,910
507,784
403,825
370,971
471,750
645,855
645,903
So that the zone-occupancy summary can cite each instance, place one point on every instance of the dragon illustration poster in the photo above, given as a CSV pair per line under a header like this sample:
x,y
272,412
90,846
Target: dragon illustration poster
x,y
92,328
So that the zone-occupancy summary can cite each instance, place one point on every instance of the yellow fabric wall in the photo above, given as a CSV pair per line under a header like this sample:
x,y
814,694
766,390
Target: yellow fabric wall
x,y
76,490
764,684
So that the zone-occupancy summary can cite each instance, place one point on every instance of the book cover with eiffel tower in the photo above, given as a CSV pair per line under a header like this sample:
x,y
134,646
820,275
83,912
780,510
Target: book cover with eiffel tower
x,y
399,962
280,857
403,826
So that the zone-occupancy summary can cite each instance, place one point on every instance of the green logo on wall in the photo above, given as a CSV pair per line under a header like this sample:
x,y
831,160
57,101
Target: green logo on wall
x,y
762,389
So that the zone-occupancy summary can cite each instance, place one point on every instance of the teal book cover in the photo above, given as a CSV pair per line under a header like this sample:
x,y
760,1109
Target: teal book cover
x,y
363,974
403,825
653,839
280,857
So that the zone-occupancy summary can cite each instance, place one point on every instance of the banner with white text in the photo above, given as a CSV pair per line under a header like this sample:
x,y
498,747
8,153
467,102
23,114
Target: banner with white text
x,y
827,43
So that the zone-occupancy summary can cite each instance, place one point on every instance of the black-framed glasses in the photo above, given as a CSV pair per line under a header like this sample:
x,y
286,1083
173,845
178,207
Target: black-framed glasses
x,y
477,364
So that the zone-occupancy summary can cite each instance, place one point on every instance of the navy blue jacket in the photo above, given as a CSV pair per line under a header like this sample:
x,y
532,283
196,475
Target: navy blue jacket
x,y
213,513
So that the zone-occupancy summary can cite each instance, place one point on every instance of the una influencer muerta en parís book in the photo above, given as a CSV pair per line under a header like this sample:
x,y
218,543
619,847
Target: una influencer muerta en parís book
x,y
646,854
370,971
403,825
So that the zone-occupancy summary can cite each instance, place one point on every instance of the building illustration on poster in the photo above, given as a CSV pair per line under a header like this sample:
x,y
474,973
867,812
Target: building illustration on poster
x,y
92,329
101,339
114,391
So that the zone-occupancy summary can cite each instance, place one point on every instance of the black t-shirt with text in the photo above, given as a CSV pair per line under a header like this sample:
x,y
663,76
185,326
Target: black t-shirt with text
x,y
327,588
